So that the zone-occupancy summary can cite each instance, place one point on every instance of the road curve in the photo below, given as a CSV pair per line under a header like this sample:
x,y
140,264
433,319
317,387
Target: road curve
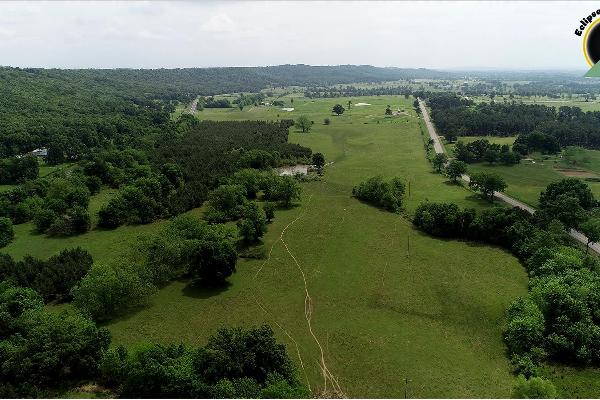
x,y
439,149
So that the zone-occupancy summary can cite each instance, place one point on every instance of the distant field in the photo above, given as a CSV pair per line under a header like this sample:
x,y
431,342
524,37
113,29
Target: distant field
x,y
528,179
591,105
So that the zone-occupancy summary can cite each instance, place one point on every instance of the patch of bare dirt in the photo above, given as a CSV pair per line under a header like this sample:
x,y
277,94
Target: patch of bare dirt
x,y
576,173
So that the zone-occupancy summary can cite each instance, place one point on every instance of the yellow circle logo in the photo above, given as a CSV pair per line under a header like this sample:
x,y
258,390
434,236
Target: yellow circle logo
x,y
591,43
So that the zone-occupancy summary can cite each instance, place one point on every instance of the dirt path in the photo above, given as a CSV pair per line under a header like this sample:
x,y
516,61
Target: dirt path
x,y
439,149
329,380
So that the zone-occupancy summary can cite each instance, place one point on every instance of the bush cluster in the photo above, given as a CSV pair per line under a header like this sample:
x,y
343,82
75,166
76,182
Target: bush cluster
x,y
52,278
18,169
185,247
387,195
482,150
560,317
235,363
42,350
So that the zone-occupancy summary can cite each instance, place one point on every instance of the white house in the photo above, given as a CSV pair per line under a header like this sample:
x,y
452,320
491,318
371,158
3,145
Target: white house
x,y
41,152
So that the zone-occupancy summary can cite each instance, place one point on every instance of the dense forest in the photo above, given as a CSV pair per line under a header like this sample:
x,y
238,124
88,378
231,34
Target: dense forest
x,y
455,116
72,111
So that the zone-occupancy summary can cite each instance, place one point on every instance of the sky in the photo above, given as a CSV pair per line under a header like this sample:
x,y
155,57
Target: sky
x,y
440,35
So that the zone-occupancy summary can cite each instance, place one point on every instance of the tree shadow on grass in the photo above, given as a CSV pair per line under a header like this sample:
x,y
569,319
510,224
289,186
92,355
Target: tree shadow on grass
x,y
203,291
455,183
479,200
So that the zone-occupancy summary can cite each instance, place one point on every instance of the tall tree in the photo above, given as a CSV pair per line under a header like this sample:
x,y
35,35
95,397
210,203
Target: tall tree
x,y
439,160
487,184
338,109
455,169
304,123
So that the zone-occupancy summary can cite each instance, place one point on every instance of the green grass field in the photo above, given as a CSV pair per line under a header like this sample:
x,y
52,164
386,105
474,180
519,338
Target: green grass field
x,y
529,178
389,303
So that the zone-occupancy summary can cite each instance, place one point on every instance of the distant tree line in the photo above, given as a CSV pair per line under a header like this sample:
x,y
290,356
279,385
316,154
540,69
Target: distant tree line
x,y
567,126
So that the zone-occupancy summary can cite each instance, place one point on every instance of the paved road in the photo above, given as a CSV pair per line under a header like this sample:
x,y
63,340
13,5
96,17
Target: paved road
x,y
437,146
194,107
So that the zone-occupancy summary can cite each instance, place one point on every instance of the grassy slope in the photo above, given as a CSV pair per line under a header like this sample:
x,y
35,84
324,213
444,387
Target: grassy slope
x,y
389,302
382,312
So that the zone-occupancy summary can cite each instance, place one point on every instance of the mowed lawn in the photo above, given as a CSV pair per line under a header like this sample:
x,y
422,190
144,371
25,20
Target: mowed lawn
x,y
388,303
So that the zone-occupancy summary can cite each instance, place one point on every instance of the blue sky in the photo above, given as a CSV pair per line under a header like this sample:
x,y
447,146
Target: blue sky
x,y
200,34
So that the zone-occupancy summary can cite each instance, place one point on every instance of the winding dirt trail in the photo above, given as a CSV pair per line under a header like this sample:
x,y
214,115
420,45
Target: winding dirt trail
x,y
328,378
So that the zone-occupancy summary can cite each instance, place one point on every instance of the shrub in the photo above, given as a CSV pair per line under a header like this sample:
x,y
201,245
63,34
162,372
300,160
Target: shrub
x,y
443,219
212,262
269,210
284,190
6,231
526,326
387,195
111,290
250,179
533,388
226,203
253,224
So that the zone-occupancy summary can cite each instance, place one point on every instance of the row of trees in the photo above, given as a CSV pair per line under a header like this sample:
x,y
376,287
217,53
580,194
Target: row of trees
x,y
558,319
186,247
235,363
455,116
482,150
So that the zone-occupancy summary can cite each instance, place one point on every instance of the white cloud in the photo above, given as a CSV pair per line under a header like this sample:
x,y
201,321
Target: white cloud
x,y
180,34
219,23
